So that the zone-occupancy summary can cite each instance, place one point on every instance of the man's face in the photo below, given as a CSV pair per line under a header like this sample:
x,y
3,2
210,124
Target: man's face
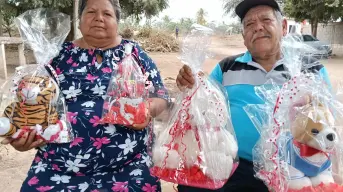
x,y
262,31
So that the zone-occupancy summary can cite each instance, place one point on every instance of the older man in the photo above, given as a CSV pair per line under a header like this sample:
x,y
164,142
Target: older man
x,y
263,29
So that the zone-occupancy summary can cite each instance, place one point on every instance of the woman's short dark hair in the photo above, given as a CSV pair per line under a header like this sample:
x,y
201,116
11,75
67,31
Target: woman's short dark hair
x,y
115,4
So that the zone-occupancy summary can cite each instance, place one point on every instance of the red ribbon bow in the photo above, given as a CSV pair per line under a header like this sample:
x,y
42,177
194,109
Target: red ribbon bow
x,y
307,151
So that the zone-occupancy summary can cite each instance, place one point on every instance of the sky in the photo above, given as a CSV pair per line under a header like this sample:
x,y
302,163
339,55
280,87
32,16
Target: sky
x,y
188,8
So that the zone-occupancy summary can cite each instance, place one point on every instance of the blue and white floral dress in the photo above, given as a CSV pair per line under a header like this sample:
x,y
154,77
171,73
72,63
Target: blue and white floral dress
x,y
101,158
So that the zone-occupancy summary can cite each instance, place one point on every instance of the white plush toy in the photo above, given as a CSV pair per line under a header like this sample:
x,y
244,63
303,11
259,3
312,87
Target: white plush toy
x,y
204,140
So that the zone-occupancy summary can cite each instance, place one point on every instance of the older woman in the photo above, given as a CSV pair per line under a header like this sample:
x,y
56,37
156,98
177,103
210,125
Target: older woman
x,y
101,158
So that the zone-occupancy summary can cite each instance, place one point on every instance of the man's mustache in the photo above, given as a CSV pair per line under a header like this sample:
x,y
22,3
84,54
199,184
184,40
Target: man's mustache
x,y
258,36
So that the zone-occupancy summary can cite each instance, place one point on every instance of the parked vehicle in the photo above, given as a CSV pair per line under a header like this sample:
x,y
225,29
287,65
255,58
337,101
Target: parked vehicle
x,y
324,49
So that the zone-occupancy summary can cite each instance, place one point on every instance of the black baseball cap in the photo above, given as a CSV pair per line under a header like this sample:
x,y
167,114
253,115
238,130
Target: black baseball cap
x,y
243,7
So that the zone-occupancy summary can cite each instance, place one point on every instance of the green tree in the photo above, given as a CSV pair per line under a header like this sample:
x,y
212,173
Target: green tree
x,y
140,8
168,24
230,5
24,5
315,12
201,14
185,24
7,16
2,5
135,8
65,6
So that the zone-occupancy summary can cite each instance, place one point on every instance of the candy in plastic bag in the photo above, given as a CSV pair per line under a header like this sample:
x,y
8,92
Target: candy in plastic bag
x,y
198,147
300,126
125,102
33,97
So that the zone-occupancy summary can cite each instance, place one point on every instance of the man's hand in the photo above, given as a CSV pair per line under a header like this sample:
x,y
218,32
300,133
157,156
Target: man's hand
x,y
185,79
25,143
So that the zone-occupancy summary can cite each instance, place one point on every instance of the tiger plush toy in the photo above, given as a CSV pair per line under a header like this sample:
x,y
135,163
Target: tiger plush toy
x,y
34,109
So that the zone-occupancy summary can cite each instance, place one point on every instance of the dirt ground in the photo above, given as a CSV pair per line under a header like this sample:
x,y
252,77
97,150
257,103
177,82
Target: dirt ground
x,y
14,165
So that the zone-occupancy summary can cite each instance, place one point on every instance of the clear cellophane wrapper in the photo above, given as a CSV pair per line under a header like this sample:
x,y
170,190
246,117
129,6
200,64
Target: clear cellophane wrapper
x,y
31,99
126,99
198,146
300,148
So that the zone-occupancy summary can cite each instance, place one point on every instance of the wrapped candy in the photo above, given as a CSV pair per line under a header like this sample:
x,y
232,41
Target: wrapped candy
x,y
125,102
300,148
31,99
198,147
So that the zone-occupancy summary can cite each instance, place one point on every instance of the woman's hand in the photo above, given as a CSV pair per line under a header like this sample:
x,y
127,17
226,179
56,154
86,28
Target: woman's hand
x,y
25,143
139,127
154,107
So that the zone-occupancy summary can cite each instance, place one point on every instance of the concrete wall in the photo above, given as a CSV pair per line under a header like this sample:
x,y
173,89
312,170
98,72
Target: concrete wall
x,y
331,33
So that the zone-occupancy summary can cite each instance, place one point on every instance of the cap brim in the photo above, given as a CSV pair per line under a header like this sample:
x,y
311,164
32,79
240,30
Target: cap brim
x,y
242,8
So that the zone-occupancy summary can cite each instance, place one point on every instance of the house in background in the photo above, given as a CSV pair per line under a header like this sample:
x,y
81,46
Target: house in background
x,y
295,27
330,33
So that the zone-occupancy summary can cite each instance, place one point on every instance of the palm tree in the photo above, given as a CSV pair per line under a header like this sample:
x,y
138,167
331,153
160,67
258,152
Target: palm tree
x,y
201,14
230,5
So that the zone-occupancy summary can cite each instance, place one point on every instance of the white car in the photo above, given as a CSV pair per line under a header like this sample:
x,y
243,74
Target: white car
x,y
324,49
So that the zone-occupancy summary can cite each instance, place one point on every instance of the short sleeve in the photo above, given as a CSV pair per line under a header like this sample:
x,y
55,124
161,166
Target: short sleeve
x,y
217,74
158,90
325,75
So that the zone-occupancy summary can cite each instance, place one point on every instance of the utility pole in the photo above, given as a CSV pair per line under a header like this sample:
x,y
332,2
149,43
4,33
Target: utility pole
x,y
75,18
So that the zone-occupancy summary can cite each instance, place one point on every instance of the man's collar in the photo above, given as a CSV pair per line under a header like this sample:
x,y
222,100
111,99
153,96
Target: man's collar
x,y
247,58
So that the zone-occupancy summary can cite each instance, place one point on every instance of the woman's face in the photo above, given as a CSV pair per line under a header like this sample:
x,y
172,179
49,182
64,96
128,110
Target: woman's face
x,y
98,20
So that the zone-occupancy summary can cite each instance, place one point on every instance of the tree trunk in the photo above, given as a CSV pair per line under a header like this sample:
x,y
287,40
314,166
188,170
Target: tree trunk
x,y
75,18
2,3
1,23
69,11
314,27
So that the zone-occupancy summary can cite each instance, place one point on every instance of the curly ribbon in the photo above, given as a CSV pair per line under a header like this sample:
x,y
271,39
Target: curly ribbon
x,y
113,115
271,177
175,132
193,176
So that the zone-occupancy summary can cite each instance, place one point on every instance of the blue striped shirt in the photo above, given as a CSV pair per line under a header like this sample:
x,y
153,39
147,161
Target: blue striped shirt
x,y
240,75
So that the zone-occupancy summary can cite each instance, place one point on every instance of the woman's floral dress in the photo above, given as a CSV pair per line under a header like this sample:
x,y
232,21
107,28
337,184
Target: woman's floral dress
x,y
101,158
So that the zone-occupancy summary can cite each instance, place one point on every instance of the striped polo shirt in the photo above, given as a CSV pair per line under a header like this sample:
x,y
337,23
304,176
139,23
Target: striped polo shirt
x,y
239,75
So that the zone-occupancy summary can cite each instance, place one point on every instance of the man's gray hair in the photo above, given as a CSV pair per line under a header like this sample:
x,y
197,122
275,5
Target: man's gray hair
x,y
277,14
115,4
